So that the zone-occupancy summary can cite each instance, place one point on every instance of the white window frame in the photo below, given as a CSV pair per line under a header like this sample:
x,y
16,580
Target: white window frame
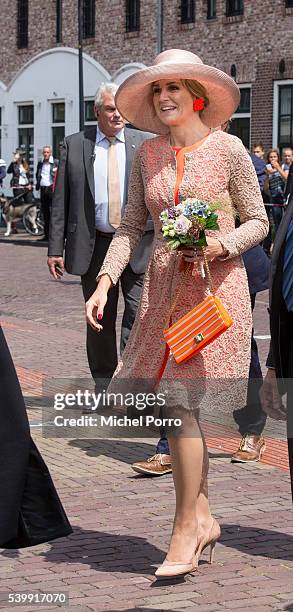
x,y
21,126
277,85
89,123
59,124
245,115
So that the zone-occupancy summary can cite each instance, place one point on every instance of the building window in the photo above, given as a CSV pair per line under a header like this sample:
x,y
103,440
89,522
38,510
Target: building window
x,y
58,21
285,119
58,127
26,132
234,7
289,3
187,11
58,112
89,112
212,9
240,125
22,24
88,18
132,15
26,114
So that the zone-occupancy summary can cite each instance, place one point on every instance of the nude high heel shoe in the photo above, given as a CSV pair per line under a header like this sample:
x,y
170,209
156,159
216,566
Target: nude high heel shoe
x,y
209,538
171,569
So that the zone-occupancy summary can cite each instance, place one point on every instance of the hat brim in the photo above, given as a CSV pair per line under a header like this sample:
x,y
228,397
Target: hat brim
x,y
134,98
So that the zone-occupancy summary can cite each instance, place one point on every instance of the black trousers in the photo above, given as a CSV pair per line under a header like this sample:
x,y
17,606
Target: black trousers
x,y
290,411
102,347
26,195
46,205
251,419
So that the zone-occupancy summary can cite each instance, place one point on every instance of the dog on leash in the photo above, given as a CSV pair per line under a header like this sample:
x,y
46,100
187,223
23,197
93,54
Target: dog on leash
x,y
14,212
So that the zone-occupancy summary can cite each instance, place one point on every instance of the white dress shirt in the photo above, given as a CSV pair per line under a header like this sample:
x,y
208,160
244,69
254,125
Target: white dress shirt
x,y
46,179
101,177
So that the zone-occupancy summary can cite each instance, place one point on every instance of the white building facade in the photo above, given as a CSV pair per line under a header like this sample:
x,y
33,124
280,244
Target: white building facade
x,y
41,104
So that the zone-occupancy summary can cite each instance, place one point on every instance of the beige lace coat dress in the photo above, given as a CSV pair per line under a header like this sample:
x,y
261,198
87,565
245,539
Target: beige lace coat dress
x,y
219,169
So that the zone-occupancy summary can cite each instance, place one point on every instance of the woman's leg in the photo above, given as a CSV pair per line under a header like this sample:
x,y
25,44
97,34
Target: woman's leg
x,y
203,512
190,466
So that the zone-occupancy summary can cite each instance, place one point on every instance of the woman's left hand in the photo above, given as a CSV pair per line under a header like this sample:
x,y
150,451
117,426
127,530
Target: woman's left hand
x,y
213,250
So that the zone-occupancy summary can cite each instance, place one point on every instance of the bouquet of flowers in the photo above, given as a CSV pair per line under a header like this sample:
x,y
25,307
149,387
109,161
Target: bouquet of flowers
x,y
184,225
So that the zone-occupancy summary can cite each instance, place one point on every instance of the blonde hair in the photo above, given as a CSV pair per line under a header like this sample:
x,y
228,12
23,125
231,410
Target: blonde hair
x,y
197,90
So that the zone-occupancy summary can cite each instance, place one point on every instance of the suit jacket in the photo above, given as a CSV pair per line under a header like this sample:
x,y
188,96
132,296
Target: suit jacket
x,y
257,265
280,321
53,168
73,207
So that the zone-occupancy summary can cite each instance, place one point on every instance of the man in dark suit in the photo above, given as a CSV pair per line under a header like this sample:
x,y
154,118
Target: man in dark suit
x,y
45,175
279,378
89,199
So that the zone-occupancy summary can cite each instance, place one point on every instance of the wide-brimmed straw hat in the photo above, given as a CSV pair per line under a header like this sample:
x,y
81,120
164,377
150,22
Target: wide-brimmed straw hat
x,y
134,98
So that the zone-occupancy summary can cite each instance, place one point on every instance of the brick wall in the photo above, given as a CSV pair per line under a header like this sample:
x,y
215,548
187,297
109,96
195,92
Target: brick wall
x,y
255,43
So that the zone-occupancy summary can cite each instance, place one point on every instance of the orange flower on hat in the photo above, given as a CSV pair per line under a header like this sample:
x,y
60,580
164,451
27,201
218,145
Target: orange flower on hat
x,y
198,104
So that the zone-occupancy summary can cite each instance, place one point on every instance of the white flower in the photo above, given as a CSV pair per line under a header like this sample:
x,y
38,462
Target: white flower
x,y
182,225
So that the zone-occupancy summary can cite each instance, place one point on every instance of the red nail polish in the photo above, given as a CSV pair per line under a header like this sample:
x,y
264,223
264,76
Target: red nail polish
x,y
100,316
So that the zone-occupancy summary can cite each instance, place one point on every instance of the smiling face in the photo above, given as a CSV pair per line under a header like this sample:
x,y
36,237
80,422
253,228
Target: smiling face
x,y
173,103
109,119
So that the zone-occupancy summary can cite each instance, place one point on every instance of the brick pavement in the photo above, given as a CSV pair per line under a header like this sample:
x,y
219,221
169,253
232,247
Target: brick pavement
x,y
122,522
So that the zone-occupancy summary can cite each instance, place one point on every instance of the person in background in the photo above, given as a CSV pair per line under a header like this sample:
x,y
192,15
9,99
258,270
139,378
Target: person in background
x,y
287,158
277,178
21,181
89,201
2,171
279,377
258,150
31,512
46,170
257,157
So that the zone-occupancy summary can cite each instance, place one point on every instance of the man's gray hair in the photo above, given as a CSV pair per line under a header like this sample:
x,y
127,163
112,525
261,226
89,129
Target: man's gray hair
x,y
109,88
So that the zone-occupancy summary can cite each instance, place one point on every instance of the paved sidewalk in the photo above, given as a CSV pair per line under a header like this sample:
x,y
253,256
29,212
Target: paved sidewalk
x,y
122,522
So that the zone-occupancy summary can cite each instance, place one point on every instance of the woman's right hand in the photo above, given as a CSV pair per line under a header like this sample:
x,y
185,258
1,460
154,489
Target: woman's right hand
x,y
94,307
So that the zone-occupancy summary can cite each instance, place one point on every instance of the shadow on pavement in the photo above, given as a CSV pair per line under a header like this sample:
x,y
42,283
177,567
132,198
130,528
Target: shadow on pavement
x,y
106,552
126,451
25,241
112,552
257,542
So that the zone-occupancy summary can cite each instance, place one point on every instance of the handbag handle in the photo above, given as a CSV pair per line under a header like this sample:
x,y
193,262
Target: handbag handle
x,y
189,267
210,283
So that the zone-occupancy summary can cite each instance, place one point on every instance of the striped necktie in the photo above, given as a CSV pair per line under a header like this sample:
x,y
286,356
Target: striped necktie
x,y
288,269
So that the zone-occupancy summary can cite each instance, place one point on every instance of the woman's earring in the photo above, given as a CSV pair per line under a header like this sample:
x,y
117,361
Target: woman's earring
x,y
198,104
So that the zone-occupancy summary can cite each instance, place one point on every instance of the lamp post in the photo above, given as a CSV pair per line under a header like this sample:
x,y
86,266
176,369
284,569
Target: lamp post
x,y
160,25
80,66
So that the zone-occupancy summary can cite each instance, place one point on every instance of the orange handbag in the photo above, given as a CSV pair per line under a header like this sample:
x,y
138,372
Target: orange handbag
x,y
199,327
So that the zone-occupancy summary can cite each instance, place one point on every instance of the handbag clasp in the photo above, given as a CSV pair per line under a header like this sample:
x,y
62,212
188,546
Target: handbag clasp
x,y
198,338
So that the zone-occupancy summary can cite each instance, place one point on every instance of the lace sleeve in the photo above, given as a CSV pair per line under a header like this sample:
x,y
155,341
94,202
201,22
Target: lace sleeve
x,y
131,228
246,197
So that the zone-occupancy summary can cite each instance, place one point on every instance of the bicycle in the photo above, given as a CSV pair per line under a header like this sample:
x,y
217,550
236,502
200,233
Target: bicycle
x,y
28,215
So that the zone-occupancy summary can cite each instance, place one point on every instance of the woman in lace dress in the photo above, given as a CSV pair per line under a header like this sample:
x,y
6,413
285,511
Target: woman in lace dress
x,y
187,159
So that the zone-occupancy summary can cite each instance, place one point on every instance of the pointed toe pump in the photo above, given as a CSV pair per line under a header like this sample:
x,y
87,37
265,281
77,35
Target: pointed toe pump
x,y
171,569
